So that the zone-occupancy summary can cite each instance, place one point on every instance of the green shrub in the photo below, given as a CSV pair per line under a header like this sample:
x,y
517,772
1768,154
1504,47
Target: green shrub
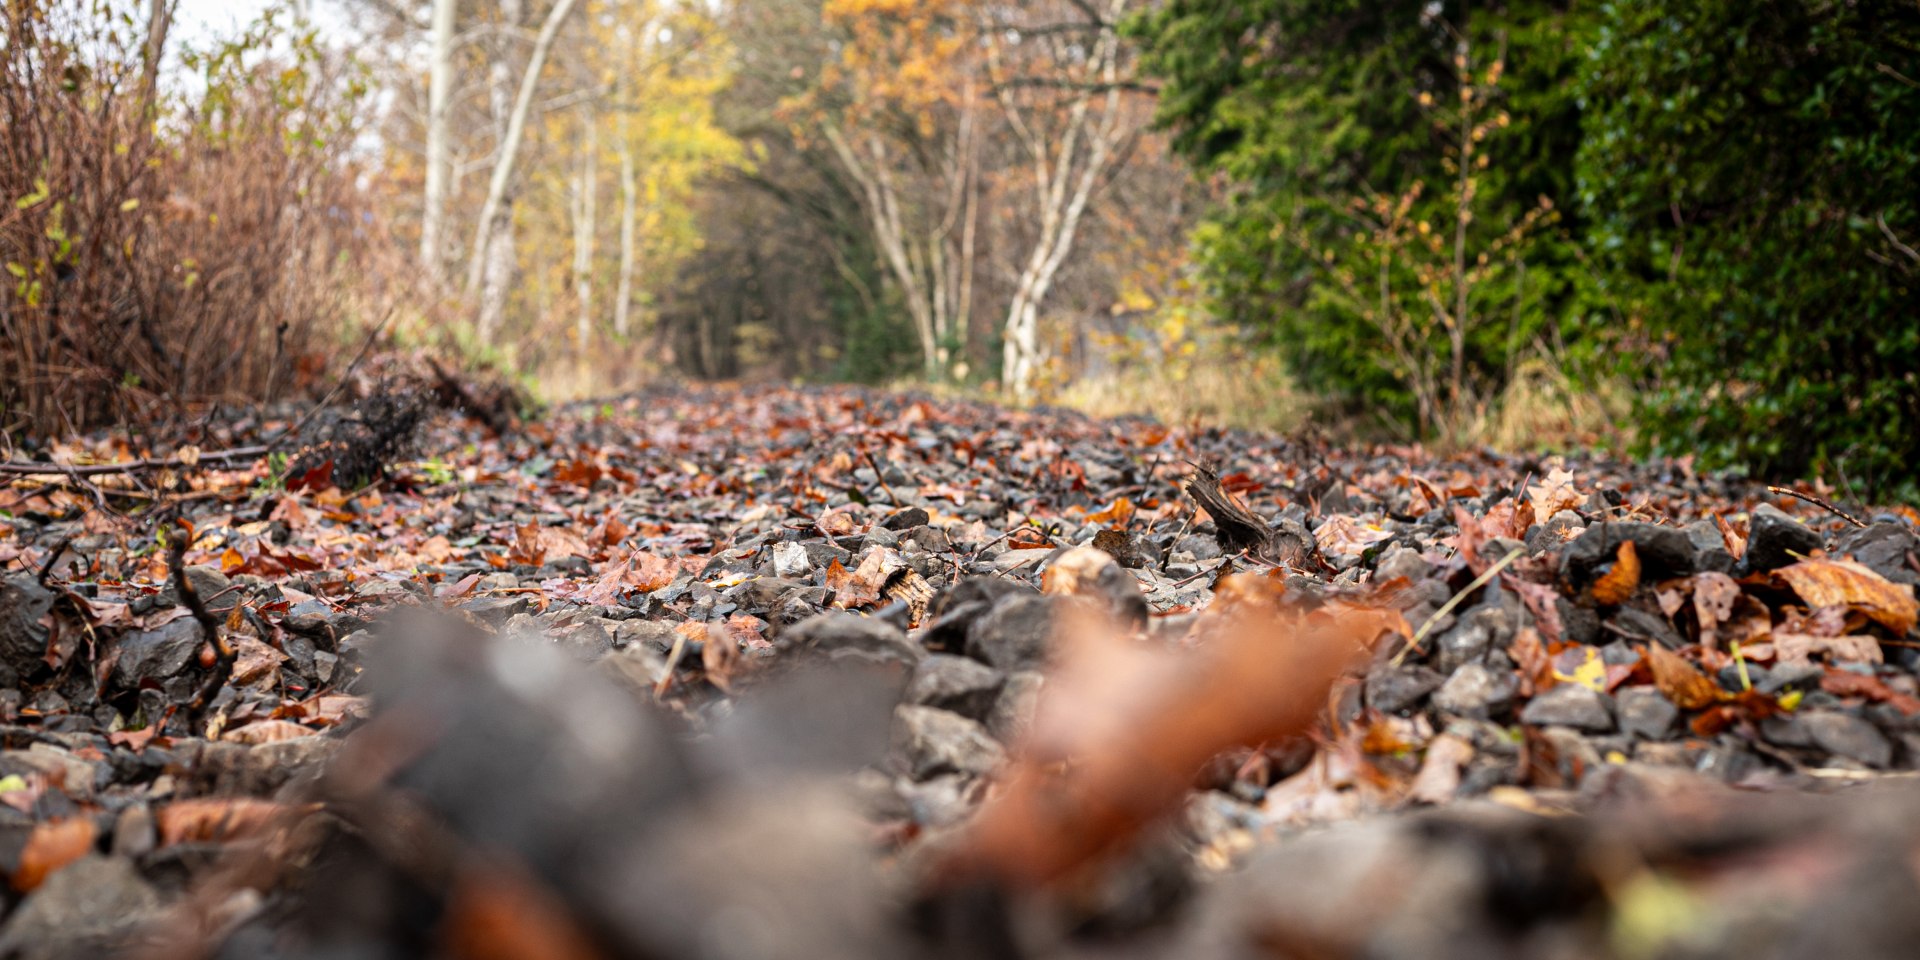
x,y
1751,170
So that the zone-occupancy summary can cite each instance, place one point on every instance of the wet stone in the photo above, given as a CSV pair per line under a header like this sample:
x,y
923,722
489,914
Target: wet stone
x,y
1773,539
1663,551
1710,548
1883,548
1570,705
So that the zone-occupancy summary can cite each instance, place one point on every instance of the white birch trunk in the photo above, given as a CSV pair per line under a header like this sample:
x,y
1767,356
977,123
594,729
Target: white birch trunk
x,y
439,95
585,188
510,146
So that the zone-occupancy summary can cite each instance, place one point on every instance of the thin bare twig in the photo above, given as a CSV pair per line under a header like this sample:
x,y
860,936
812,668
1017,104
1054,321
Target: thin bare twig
x,y
1818,502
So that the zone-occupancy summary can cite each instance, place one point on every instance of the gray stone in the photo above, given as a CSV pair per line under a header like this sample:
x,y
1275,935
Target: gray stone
x,y
23,639
790,560
840,636
1570,705
1555,532
1773,539
1850,737
1400,562
158,653
960,684
939,802
932,741
1475,691
1663,551
1016,634
654,635
1636,624
1394,689
1883,548
1013,711
1646,713
1710,547
92,907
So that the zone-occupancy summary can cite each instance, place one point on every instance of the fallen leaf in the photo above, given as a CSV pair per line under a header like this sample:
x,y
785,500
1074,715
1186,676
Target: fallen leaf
x,y
1617,585
267,731
1800,648
1439,776
1843,583
1846,683
1553,494
1581,664
49,847
1680,681
215,819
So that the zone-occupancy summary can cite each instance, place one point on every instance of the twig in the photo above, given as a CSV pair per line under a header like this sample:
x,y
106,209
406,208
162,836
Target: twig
x,y
1446,608
224,653
46,569
30,468
1818,502
878,476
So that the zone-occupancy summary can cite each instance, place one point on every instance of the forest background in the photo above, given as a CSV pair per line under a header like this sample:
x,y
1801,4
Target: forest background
x,y
1680,228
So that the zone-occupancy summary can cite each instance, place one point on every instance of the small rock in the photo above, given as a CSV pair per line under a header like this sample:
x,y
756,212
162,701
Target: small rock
x,y
1015,634
1556,531
1636,624
1570,705
1710,547
1883,548
157,654
91,907
23,639
1013,711
1400,562
1850,737
654,635
1773,539
906,519
1475,691
960,684
1663,551
933,742
1646,713
939,802
790,560
839,635
1394,689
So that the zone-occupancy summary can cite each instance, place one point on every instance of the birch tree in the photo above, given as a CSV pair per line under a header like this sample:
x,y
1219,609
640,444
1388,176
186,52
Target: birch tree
x,y
439,158
496,216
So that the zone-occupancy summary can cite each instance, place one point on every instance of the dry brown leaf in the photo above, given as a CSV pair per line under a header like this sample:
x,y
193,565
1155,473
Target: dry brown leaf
x,y
1439,776
1553,494
498,912
1124,725
1680,681
1799,648
1342,534
49,847
215,819
267,731
1843,583
1617,585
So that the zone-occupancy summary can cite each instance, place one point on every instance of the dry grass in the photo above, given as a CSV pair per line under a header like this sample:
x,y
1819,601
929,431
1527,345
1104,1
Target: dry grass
x,y
1219,385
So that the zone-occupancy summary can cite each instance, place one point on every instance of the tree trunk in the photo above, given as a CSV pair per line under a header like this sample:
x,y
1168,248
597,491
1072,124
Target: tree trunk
x,y
629,239
510,146
439,95
584,192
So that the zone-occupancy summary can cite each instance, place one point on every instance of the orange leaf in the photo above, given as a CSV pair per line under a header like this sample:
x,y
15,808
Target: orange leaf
x,y
1617,584
1680,681
267,731
50,846
1843,583
214,819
